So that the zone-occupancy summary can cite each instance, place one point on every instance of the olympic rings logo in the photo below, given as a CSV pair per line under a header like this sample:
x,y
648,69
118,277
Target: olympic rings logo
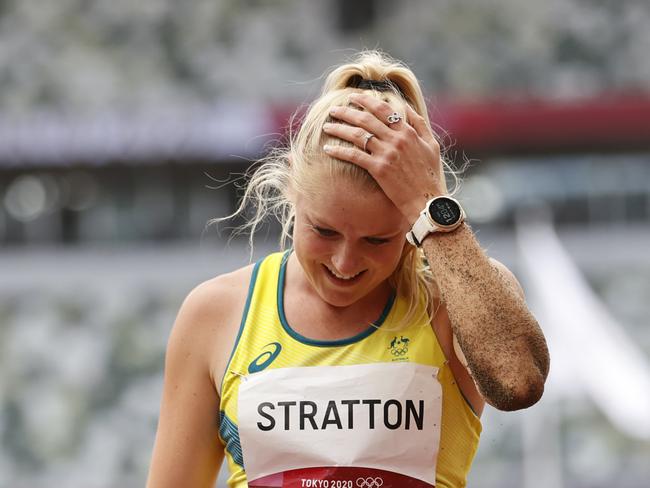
x,y
399,346
370,482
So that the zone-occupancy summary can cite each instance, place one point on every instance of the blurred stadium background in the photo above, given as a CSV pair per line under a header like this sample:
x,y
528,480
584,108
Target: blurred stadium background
x,y
120,121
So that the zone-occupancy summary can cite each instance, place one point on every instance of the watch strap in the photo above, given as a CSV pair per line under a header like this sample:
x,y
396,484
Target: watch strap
x,y
421,228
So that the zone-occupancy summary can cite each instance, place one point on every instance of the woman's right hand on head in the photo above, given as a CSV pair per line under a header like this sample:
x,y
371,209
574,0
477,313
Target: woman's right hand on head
x,y
402,156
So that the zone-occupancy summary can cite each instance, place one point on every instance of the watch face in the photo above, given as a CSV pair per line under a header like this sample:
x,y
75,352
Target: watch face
x,y
444,211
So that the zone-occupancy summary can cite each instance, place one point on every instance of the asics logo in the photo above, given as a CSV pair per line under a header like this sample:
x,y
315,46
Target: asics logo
x,y
370,482
262,361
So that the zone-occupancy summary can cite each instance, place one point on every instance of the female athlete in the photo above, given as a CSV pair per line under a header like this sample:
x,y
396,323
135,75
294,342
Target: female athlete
x,y
363,355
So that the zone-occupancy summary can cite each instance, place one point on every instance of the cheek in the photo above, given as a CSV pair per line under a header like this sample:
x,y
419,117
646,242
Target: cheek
x,y
307,244
388,256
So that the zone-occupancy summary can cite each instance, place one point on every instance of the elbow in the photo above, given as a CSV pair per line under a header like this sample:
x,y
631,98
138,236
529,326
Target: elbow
x,y
523,396
514,380
519,394
523,387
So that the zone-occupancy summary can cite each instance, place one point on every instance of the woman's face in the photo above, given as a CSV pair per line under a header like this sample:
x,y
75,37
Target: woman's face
x,y
348,240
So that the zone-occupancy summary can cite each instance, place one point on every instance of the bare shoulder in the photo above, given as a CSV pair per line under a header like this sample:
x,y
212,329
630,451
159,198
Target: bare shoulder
x,y
208,319
217,294
509,276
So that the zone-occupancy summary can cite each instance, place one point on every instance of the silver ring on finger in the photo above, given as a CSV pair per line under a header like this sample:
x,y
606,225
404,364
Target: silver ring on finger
x,y
394,118
366,138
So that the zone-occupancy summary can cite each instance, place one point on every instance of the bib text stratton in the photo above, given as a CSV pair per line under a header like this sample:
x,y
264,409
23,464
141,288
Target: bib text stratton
x,y
305,414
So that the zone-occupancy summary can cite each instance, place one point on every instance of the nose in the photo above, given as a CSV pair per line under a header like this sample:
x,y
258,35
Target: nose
x,y
346,260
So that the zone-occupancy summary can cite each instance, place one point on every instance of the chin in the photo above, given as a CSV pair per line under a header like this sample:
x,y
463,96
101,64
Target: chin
x,y
341,298
338,300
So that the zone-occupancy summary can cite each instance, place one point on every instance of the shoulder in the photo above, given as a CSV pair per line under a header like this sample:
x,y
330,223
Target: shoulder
x,y
208,319
218,292
214,298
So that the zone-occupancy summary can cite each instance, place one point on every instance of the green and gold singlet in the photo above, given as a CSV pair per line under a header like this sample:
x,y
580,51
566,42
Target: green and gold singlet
x,y
379,409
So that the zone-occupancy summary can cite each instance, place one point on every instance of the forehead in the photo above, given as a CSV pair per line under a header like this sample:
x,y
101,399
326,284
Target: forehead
x,y
348,206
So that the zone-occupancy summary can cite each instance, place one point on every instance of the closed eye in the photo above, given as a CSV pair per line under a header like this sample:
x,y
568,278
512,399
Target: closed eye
x,y
324,232
376,240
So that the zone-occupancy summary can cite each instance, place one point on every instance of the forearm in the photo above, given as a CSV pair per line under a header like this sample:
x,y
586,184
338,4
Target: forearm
x,y
505,349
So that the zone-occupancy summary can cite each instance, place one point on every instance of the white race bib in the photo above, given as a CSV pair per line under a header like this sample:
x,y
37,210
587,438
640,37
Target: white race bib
x,y
361,426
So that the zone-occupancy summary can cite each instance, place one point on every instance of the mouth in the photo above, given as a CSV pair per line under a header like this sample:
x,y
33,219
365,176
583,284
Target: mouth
x,y
343,280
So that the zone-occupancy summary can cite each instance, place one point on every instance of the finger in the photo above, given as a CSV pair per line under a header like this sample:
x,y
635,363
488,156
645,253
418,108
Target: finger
x,y
420,125
351,155
361,119
356,135
379,108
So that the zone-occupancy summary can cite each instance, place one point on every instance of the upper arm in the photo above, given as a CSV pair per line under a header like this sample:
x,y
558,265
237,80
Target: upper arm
x,y
509,277
456,359
187,450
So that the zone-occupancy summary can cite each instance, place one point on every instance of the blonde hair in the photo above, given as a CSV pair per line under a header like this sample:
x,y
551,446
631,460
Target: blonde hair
x,y
298,166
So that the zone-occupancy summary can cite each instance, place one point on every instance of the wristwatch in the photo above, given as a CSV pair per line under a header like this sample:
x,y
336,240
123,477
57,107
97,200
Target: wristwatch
x,y
441,214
